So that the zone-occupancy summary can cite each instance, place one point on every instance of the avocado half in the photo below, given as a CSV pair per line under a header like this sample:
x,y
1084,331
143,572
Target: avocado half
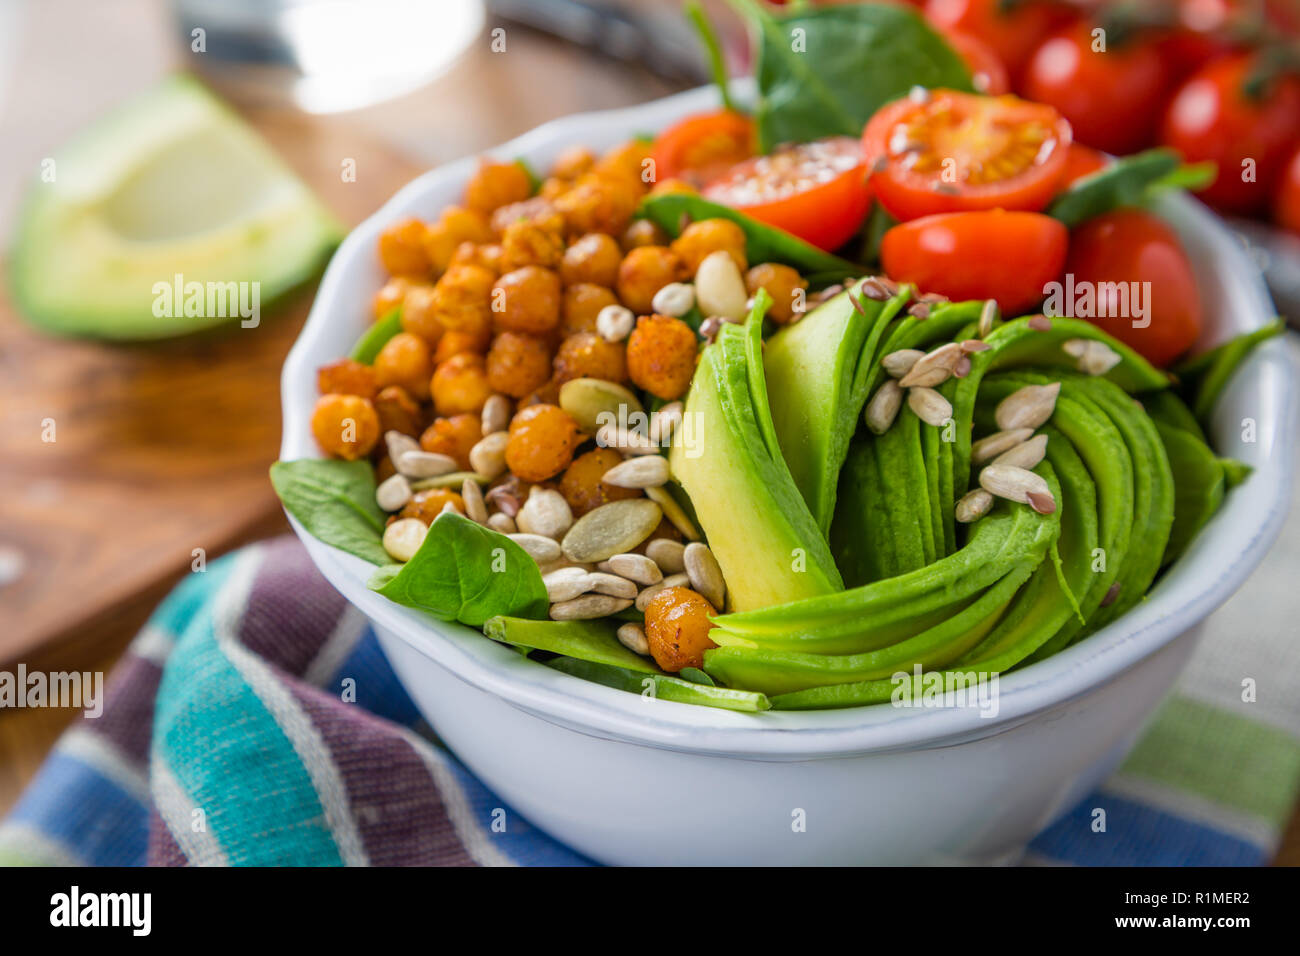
x,y
171,190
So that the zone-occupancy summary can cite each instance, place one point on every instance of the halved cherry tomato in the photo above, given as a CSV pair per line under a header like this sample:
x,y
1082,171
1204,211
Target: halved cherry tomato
x,y
949,152
817,191
1132,246
1111,97
1082,161
995,254
1012,30
1286,208
1214,116
700,147
988,73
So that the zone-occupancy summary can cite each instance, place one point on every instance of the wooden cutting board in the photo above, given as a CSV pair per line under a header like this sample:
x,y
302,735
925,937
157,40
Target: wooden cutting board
x,y
158,449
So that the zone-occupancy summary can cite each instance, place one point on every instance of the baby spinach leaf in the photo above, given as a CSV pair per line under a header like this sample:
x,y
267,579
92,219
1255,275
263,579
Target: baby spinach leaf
x,y
1127,182
593,641
1201,380
466,572
335,501
825,71
377,336
763,243
662,686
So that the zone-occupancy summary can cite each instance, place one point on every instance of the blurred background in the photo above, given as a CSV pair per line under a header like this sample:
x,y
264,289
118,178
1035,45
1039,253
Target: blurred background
x,y
162,448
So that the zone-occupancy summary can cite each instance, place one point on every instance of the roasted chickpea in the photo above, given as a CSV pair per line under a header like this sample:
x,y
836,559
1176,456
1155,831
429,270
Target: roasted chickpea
x,y
582,303
464,299
541,443
518,364
642,232
405,360
548,394
700,239
525,243
345,426
496,185
427,505
420,314
384,469
454,226
677,626
781,283
631,161
486,255
527,300
587,355
454,343
661,354
598,204
582,486
670,186
573,162
460,385
398,411
540,211
346,377
401,249
453,437
593,259
391,295
643,272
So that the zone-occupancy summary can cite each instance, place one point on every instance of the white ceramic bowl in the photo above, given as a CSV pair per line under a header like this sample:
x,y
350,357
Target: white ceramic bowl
x,y
625,779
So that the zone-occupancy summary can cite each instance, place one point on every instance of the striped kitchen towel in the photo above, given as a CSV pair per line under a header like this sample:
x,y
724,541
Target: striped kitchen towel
x,y
255,721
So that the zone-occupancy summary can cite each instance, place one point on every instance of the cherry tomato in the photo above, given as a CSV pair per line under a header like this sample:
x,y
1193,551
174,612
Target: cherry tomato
x,y
1112,98
817,191
1213,116
1286,208
1132,246
951,152
988,73
1011,30
1082,161
703,146
994,254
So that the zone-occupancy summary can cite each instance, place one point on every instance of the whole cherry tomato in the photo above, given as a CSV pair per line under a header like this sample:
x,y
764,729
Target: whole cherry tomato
x,y
1129,248
988,73
1082,161
994,254
1112,93
1286,208
1012,30
1247,124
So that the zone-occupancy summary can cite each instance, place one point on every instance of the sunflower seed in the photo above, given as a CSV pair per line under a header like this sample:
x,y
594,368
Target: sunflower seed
x,y
988,318
644,471
565,584
1040,323
611,529
673,512
1093,357
488,456
988,448
973,505
929,406
588,607
675,300
664,422
602,582
502,522
933,368
632,636
393,492
974,345
496,414
1042,502
540,549
873,287
398,444
667,554
962,369
472,495
424,464
503,501
1112,593
679,580
450,508
919,311
719,286
1025,455
705,573
634,567
710,328
899,363
403,538
883,407
624,440
1027,407
545,513
1015,484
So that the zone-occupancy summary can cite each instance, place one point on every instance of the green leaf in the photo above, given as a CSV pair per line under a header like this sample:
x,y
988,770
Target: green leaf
x,y
662,687
763,243
847,62
1128,182
593,641
335,501
468,573
1201,380
377,336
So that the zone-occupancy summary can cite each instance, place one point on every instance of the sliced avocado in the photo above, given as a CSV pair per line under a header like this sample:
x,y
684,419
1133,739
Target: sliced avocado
x,y
758,527
172,187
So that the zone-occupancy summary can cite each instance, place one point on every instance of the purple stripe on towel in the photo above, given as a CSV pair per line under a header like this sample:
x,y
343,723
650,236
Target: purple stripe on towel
x,y
163,848
127,719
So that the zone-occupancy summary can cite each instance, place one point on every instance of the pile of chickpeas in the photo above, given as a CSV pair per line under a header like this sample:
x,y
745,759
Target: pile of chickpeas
x,y
510,295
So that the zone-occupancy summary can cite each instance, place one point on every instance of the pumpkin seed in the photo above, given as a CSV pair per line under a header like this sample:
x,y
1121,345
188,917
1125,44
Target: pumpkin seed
x,y
540,549
393,492
1027,407
424,464
403,538
589,402
451,480
674,512
644,471
588,607
611,529
647,595
545,513
634,567
632,636
988,448
668,554
705,573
